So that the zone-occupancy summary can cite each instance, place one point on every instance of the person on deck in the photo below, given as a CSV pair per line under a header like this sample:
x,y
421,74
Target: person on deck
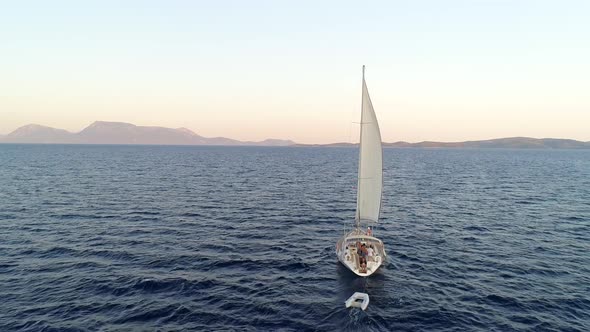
x,y
359,249
362,253
363,268
370,252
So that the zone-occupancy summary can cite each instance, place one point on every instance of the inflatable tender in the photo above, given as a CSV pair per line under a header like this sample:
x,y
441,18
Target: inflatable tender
x,y
358,300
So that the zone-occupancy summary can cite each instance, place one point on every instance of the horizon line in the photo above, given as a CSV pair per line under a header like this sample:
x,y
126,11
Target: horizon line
x,y
295,143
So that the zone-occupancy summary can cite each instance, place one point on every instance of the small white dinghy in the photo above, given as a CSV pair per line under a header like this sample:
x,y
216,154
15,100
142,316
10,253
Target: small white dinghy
x,y
358,300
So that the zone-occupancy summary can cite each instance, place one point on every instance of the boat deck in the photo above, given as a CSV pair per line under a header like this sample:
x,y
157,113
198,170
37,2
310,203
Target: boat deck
x,y
347,252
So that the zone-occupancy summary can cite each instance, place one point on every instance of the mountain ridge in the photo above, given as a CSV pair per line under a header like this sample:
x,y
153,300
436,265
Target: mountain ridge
x,y
498,143
108,132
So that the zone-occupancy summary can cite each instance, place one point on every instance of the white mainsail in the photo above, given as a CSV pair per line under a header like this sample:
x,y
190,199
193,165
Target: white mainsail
x,y
370,175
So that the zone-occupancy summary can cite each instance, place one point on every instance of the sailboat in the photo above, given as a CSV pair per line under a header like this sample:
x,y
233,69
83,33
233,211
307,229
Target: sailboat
x,y
359,249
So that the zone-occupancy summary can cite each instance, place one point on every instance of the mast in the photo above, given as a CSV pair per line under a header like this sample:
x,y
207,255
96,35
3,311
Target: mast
x,y
358,187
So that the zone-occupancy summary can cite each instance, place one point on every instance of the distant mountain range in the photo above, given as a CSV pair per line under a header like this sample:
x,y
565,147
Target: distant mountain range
x,y
103,132
506,143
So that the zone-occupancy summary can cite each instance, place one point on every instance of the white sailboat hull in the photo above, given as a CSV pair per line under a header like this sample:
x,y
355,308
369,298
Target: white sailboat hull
x,y
346,252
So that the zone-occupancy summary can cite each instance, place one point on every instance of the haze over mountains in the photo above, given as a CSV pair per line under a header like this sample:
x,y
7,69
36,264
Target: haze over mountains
x,y
103,132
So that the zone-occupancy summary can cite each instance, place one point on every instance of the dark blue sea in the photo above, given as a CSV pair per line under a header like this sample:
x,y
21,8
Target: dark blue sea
x,y
164,238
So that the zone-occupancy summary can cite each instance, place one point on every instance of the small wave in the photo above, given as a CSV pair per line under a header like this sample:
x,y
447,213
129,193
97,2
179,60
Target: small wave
x,y
476,228
505,301
575,218
153,286
139,218
147,315
59,251
148,213
77,216
192,215
528,320
110,254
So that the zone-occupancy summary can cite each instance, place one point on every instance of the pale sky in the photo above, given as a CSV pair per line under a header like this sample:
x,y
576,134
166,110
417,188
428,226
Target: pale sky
x,y
436,70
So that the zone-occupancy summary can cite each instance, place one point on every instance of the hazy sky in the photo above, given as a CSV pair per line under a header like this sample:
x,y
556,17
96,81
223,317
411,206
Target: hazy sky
x,y
436,70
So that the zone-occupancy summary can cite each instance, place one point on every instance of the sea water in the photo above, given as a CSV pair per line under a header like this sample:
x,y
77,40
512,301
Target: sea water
x,y
119,238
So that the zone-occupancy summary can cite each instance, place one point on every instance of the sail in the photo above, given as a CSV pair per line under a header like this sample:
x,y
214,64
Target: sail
x,y
370,181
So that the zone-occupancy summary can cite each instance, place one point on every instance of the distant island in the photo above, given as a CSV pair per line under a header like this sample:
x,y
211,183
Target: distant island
x,y
104,132
498,143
